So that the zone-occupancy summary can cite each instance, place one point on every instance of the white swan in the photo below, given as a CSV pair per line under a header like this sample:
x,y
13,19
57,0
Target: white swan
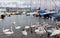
x,y
37,31
52,18
14,23
40,30
5,30
33,25
16,27
55,32
24,32
27,27
9,32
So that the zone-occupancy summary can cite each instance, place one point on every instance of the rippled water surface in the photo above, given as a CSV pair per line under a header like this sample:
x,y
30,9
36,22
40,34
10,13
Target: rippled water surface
x,y
21,20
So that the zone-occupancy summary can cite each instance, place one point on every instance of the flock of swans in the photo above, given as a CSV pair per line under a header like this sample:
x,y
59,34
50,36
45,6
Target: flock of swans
x,y
24,31
38,29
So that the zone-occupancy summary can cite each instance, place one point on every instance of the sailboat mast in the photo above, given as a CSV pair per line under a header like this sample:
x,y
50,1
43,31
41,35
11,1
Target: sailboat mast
x,y
54,4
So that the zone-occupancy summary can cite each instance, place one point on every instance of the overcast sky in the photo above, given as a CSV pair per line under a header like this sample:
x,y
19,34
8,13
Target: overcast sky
x,y
28,3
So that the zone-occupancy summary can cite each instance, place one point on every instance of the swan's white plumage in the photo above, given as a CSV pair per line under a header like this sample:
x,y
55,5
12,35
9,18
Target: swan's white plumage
x,y
8,32
24,32
17,27
26,27
33,25
55,32
40,30
5,30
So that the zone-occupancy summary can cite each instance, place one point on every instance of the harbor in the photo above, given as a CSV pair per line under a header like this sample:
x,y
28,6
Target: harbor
x,y
30,19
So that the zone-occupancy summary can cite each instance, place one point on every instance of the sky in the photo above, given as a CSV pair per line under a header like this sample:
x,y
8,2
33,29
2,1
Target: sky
x,y
29,3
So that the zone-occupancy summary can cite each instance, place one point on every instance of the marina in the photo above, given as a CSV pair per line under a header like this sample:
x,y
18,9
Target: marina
x,y
30,19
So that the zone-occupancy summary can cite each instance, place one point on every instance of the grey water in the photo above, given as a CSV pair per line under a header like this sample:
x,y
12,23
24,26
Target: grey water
x,y
21,20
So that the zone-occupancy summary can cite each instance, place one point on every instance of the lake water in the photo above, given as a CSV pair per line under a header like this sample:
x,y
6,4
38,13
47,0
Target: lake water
x,y
21,20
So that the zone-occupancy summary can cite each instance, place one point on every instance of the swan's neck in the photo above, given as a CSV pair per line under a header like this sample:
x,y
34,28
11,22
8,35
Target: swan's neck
x,y
11,29
3,28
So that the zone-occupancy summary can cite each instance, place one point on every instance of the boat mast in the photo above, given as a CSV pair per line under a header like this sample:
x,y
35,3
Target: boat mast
x,y
54,4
